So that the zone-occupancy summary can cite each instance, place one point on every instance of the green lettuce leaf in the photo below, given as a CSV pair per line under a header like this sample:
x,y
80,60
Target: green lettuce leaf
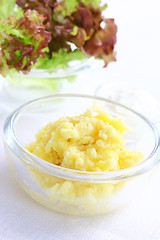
x,y
9,7
67,7
59,60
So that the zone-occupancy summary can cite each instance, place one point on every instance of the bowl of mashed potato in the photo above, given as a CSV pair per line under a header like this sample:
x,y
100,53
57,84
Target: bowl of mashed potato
x,y
80,155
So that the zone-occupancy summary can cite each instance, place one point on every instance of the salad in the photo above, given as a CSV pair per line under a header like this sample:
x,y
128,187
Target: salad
x,y
34,33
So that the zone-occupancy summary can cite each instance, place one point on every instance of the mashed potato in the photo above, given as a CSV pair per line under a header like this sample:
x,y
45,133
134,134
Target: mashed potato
x,y
92,142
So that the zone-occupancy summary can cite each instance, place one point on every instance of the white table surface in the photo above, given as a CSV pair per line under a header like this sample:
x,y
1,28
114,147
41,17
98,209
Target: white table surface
x,y
137,62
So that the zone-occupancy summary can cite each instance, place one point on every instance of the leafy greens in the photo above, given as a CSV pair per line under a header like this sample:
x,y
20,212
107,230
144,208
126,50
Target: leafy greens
x,y
39,33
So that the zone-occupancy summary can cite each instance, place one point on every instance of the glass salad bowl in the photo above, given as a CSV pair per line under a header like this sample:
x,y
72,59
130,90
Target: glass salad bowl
x,y
20,88
102,191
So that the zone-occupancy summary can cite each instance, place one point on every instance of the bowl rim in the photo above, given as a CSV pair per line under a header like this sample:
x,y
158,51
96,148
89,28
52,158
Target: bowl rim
x,y
78,66
58,171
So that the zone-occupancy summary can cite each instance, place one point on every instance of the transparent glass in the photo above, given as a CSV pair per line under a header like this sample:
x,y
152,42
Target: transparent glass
x,y
71,191
20,88
133,95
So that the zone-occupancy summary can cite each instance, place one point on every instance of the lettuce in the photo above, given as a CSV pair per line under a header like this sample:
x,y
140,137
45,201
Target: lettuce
x,y
29,27
101,45
88,35
7,8
68,6
22,41
59,60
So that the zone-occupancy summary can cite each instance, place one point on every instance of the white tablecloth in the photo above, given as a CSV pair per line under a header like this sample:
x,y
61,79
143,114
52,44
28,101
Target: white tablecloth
x,y
137,62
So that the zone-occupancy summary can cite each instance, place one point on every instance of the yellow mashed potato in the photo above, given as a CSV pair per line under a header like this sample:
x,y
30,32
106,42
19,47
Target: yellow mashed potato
x,y
93,142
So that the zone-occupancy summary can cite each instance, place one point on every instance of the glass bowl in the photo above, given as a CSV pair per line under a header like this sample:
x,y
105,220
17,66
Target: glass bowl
x,y
102,191
20,88
133,95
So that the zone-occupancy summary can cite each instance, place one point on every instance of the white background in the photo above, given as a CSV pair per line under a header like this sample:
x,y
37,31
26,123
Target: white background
x,y
138,53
